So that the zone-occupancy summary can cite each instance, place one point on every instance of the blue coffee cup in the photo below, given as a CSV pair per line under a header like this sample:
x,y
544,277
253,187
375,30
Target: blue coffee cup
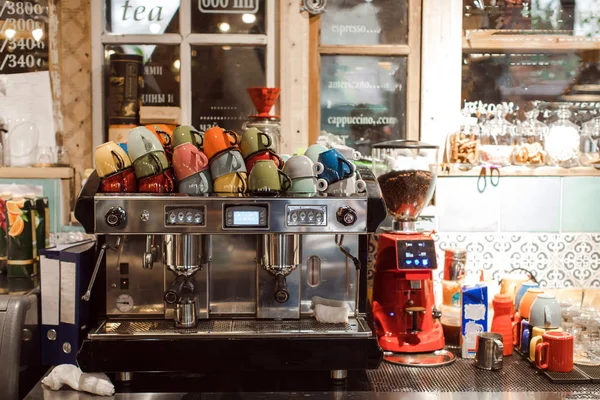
x,y
336,167
124,147
525,336
522,290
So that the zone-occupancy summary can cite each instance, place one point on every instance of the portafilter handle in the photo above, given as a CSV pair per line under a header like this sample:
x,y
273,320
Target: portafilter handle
x,y
103,248
282,294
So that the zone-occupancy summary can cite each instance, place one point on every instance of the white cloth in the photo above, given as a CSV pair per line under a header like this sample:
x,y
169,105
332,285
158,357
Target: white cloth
x,y
70,375
331,315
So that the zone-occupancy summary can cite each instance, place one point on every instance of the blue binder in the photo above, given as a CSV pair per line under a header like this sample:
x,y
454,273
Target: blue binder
x,y
64,275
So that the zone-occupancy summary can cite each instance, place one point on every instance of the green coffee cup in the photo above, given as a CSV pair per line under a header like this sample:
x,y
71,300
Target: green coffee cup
x,y
187,134
266,178
254,141
150,164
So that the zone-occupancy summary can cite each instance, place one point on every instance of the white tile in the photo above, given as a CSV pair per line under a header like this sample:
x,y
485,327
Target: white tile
x,y
529,204
461,208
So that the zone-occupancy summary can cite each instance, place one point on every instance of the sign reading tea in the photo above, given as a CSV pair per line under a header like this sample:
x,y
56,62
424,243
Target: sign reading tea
x,y
141,16
228,6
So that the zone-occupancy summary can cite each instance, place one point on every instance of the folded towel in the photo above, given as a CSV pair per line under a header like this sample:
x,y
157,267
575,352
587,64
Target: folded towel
x,y
70,375
328,302
331,315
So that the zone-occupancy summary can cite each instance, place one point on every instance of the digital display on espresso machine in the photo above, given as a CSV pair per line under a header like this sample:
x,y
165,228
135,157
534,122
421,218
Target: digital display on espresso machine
x,y
416,254
245,217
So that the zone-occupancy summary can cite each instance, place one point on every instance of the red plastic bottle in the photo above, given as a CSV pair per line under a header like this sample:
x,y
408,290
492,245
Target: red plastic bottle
x,y
502,322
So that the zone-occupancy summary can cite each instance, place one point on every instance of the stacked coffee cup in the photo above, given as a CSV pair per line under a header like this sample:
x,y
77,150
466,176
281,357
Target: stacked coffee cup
x,y
226,163
152,169
338,176
263,164
114,169
303,173
189,161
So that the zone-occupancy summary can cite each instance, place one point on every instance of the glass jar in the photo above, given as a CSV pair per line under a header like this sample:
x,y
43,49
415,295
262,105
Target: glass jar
x,y
271,126
462,147
496,140
528,143
586,334
590,143
562,142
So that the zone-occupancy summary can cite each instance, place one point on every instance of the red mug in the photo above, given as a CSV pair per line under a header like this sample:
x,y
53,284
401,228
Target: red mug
x,y
121,182
161,183
188,160
263,155
555,353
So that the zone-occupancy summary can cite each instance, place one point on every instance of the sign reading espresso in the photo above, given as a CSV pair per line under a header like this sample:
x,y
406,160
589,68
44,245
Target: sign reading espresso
x,y
228,6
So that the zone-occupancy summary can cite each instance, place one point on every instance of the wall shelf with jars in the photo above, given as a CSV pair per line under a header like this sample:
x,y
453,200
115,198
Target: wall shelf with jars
x,y
37,173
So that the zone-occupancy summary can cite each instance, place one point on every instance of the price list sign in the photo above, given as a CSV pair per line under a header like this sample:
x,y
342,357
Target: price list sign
x,y
24,35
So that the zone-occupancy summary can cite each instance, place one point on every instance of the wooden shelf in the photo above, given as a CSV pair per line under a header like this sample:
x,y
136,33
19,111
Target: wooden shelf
x,y
525,171
491,40
36,173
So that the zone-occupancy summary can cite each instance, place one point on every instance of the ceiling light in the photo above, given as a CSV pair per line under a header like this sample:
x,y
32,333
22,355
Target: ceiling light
x,y
224,27
177,64
249,18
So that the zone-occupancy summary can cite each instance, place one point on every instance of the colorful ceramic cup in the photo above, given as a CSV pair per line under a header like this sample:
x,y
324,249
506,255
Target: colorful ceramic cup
x,y
110,159
151,164
304,186
263,155
161,183
525,336
314,151
555,353
188,160
545,312
335,166
218,140
141,141
187,134
234,182
253,141
197,184
302,167
164,133
267,179
527,300
522,290
121,182
536,338
227,162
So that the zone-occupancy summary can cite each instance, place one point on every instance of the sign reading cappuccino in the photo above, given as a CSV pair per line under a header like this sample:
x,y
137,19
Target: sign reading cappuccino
x,y
228,6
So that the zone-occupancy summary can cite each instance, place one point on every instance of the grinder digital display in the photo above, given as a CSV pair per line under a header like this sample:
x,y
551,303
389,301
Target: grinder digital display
x,y
416,254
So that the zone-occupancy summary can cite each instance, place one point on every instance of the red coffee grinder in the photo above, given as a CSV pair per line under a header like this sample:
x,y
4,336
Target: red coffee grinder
x,y
403,298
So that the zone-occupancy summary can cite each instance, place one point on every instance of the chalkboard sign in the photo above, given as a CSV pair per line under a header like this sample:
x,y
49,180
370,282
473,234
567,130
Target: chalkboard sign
x,y
25,36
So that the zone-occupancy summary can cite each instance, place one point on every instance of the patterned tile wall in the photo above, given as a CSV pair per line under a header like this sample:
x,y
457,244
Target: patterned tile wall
x,y
556,260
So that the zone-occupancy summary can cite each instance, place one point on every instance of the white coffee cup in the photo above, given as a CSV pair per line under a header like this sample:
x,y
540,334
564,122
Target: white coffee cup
x,y
347,186
302,167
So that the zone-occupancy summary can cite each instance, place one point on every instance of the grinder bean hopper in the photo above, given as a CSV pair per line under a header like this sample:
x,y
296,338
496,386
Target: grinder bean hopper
x,y
403,299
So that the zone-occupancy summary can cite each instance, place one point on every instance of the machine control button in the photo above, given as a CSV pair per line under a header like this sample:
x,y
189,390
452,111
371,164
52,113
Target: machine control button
x,y
302,216
198,218
294,216
311,216
145,215
124,268
346,216
189,217
172,217
180,216
125,283
115,216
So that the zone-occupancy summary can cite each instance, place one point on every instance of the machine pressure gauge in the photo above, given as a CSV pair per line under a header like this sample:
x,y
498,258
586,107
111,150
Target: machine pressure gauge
x,y
124,303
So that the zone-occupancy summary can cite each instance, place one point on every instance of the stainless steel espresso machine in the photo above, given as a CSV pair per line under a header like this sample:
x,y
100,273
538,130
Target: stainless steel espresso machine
x,y
215,284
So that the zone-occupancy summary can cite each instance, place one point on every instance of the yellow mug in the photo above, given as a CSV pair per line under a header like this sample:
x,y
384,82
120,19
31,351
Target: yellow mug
x,y
110,159
536,334
233,182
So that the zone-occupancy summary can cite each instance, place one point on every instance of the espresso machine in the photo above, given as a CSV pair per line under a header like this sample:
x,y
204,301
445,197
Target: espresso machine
x,y
404,312
220,284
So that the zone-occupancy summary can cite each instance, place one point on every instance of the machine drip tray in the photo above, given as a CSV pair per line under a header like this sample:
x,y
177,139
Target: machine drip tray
x,y
240,327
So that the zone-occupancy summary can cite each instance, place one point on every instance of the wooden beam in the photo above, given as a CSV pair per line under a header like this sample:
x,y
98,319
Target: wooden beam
x,y
413,81
491,40
314,68
36,173
377,50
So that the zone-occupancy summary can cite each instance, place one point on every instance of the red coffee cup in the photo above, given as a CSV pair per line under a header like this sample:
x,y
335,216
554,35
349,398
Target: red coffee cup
x,y
188,160
121,182
263,155
161,183
555,353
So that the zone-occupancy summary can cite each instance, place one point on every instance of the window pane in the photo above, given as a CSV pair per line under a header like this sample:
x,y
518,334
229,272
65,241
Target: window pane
x,y
220,76
161,72
365,22
228,16
363,98
514,77
142,17
573,17
25,33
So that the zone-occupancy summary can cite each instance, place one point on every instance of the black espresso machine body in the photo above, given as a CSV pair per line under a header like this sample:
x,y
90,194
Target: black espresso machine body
x,y
221,284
